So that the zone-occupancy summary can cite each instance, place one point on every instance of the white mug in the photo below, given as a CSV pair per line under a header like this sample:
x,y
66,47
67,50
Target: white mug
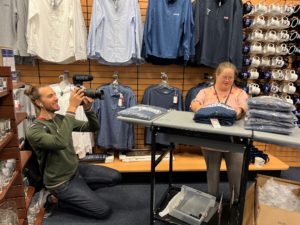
x,y
254,74
274,9
284,22
288,99
259,9
289,88
258,21
273,22
274,95
254,89
281,49
290,75
270,36
277,62
287,10
256,35
283,36
269,49
277,75
295,22
265,61
255,61
259,162
256,47
274,88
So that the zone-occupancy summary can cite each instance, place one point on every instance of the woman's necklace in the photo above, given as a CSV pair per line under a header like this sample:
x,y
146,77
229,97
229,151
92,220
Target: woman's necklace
x,y
226,97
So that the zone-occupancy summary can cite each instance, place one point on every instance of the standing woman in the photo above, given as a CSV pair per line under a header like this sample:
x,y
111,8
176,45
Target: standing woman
x,y
223,91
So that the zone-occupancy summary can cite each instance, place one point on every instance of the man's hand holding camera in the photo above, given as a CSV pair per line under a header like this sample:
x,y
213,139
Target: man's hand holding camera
x,y
76,98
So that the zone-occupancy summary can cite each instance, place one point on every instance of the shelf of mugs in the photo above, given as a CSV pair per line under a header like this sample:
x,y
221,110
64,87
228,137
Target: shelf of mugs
x,y
4,189
5,139
269,10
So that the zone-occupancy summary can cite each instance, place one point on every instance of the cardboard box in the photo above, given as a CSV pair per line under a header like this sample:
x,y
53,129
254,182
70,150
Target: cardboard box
x,y
7,58
261,214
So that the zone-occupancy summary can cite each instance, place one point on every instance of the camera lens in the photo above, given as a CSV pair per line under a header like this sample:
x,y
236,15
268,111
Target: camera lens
x,y
93,93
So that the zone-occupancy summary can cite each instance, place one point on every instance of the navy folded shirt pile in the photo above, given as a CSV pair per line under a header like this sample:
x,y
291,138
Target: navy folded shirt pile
x,y
224,113
270,114
143,112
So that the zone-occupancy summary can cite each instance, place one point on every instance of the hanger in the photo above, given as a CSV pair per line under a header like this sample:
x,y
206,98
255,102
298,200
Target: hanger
x,y
115,77
209,79
64,81
164,81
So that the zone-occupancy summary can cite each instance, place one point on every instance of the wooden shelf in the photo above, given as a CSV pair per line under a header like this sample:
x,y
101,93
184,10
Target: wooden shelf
x,y
25,155
3,93
5,189
29,196
20,116
39,217
17,85
187,162
6,140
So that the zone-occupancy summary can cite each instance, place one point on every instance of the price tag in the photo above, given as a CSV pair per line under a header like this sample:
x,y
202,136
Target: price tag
x,y
215,123
175,99
120,101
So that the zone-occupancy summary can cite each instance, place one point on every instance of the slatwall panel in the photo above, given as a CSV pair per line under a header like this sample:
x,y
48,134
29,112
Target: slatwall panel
x,y
137,77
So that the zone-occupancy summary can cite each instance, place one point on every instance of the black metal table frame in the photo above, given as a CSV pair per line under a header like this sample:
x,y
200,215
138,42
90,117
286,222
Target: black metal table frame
x,y
203,139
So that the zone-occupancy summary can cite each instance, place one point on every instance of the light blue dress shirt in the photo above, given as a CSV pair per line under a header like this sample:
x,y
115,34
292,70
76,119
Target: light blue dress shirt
x,y
116,32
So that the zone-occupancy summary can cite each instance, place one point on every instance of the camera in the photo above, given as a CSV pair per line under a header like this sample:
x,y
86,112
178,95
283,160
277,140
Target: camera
x,y
78,80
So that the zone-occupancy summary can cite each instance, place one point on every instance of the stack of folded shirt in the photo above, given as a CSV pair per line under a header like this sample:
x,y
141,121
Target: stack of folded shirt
x,y
143,112
270,114
224,113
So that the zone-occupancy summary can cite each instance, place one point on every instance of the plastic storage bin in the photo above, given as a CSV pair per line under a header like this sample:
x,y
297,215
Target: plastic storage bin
x,y
194,206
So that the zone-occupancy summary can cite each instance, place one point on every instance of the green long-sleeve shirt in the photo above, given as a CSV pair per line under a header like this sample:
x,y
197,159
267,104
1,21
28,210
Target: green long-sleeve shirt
x,y
51,140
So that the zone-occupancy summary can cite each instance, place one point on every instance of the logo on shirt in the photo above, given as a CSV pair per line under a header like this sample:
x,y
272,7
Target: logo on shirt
x,y
226,18
176,14
208,11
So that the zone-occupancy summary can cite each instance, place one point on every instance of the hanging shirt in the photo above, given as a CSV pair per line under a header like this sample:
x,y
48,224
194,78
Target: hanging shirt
x,y
168,98
116,32
192,93
114,133
56,30
168,31
82,141
22,10
218,32
8,32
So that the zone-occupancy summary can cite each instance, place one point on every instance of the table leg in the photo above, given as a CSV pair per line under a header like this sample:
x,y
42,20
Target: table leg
x,y
152,189
243,187
172,147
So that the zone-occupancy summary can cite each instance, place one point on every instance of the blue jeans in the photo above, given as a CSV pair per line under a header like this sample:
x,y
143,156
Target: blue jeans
x,y
78,193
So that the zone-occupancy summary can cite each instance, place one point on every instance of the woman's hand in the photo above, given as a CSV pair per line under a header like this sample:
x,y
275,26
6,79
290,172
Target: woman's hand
x,y
239,112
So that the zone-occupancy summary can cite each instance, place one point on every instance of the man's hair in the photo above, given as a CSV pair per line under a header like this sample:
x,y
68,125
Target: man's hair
x,y
33,93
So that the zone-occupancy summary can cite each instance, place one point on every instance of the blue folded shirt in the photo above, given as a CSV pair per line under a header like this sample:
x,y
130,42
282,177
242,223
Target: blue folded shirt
x,y
143,112
224,113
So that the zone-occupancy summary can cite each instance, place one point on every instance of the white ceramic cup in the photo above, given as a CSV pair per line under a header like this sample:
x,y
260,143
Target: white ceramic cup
x,y
269,49
258,22
254,89
260,9
256,35
277,62
286,10
273,22
282,36
281,49
256,47
288,99
277,75
255,61
290,75
289,88
270,36
254,74
284,22
274,88
265,61
259,162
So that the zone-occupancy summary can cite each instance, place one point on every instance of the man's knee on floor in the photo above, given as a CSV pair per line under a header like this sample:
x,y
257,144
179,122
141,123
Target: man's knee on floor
x,y
116,178
103,212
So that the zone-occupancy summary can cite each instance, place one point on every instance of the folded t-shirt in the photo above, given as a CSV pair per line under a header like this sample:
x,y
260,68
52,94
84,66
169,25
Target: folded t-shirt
x,y
224,113
143,112
270,103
